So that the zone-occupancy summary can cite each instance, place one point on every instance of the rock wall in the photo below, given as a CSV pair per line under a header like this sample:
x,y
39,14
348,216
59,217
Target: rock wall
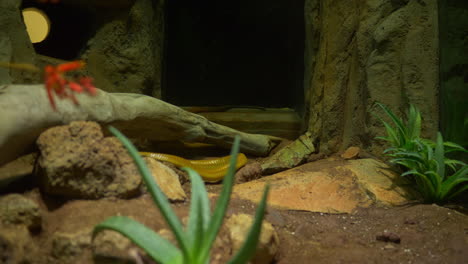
x,y
125,55
15,46
361,52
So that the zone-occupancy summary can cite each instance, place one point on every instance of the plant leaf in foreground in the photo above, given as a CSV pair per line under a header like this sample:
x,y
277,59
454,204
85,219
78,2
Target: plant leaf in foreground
x,y
157,247
250,245
202,228
158,196
436,177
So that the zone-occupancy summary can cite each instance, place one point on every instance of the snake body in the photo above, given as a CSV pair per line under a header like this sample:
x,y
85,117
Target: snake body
x,y
211,170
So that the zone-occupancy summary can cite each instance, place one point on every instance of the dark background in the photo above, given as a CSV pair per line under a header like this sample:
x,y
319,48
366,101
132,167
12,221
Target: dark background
x,y
246,52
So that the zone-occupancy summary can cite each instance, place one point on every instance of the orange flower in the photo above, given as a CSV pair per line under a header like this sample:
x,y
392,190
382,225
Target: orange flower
x,y
87,82
56,82
70,66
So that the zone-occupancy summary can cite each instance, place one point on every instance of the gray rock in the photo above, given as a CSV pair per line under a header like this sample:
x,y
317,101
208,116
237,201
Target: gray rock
x,y
15,209
77,161
26,113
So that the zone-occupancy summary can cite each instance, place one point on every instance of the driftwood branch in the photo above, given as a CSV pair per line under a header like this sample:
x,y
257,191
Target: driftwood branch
x,y
25,112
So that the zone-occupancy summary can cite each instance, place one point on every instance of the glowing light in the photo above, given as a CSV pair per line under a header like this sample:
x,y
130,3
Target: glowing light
x,y
37,24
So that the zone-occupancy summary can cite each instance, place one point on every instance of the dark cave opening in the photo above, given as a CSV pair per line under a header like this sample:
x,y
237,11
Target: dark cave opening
x,y
243,53
71,26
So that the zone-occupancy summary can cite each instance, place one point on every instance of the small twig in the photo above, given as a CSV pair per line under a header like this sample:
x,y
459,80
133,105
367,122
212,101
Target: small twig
x,y
20,66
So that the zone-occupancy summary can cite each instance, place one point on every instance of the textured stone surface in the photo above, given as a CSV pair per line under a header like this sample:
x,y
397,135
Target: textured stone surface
x,y
111,247
69,246
359,52
221,249
330,186
120,63
26,113
167,180
18,210
77,161
17,245
290,156
249,172
351,153
238,226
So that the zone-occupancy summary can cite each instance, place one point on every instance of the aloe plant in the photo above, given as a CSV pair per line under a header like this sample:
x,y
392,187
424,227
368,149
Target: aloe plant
x,y
404,134
196,240
429,166
424,159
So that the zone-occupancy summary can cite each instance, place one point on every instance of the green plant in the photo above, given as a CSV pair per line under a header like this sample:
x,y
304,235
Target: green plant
x,y
202,228
403,136
428,166
424,159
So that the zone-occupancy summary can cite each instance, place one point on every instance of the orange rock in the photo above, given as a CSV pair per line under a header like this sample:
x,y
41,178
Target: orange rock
x,y
329,187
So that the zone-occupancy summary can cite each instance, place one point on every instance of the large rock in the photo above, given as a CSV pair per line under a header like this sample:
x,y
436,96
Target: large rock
x,y
26,112
77,161
330,186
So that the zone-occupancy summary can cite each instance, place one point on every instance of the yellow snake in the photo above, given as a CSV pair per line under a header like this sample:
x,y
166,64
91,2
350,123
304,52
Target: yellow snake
x,y
211,170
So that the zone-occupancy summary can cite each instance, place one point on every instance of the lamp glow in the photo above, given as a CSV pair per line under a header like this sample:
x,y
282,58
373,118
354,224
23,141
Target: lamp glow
x,y
37,24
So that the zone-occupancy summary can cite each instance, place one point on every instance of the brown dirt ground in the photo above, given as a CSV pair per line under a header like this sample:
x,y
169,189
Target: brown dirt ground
x,y
427,233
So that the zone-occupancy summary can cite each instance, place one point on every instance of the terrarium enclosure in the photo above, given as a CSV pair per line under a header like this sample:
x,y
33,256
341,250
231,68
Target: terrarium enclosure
x,y
350,118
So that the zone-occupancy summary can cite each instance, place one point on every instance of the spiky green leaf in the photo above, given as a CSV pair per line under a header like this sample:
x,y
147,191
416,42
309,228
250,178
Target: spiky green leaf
x,y
249,247
157,247
439,156
222,202
158,196
199,215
